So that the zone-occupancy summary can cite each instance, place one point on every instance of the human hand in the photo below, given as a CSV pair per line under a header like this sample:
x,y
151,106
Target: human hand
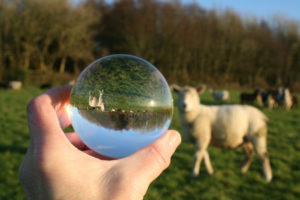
x,y
60,166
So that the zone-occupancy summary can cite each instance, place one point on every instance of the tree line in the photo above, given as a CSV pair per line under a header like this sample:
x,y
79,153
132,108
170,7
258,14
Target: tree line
x,y
187,43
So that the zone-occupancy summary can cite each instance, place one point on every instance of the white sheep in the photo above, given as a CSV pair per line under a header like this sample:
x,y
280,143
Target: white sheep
x,y
15,85
288,101
284,97
227,126
222,95
96,102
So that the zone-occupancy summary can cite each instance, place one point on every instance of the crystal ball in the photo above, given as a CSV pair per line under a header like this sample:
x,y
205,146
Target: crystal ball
x,y
119,104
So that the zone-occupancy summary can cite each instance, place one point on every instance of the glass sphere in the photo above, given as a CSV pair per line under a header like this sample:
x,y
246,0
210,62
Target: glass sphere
x,y
119,104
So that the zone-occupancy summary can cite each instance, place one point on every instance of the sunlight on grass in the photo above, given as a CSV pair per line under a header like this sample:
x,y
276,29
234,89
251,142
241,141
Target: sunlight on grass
x,y
176,182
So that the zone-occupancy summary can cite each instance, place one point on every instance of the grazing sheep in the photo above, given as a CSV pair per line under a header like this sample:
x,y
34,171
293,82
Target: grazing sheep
x,y
225,126
288,101
15,85
269,98
72,82
222,95
283,97
270,102
251,98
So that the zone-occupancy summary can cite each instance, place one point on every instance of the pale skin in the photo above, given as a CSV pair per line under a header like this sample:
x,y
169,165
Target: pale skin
x,y
60,166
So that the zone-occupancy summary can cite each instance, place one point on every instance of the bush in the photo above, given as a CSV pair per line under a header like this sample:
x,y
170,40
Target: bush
x,y
17,74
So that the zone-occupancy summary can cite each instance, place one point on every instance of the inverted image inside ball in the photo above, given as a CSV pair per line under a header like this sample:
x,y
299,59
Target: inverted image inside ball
x,y
119,104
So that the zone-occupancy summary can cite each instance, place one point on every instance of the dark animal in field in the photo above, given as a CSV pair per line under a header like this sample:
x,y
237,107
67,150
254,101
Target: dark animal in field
x,y
269,98
3,85
294,101
46,85
251,98
281,96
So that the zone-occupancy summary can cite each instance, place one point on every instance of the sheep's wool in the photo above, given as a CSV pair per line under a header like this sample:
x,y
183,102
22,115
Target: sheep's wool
x,y
119,104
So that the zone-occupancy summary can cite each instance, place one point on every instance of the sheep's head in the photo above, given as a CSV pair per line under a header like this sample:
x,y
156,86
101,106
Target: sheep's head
x,y
188,97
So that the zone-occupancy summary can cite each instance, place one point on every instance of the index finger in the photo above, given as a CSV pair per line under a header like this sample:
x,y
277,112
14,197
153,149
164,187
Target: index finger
x,y
47,115
60,99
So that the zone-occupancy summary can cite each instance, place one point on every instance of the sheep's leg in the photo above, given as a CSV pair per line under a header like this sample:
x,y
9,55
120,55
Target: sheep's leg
x,y
248,148
198,158
207,163
201,152
260,144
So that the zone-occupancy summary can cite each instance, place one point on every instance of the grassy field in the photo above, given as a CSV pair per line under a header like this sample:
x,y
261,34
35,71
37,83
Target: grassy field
x,y
176,182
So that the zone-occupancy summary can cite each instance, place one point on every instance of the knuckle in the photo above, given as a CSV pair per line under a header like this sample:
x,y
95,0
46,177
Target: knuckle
x,y
36,103
31,105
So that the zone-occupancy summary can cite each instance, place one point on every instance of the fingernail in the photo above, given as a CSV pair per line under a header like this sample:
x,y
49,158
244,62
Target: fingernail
x,y
174,139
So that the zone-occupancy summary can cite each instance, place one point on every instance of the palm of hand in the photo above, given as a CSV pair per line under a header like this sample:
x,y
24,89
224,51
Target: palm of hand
x,y
60,166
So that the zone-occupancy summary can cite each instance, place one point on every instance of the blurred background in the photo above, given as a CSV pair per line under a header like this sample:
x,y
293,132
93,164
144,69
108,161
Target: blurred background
x,y
236,43
247,50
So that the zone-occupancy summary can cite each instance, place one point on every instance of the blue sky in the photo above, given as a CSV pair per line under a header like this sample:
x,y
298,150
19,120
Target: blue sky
x,y
265,9
259,8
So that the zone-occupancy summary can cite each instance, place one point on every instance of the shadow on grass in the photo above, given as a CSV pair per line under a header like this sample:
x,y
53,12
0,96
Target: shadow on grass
x,y
12,148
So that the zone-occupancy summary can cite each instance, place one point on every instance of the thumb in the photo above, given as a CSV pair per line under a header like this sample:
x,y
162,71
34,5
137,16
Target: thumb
x,y
149,162
47,116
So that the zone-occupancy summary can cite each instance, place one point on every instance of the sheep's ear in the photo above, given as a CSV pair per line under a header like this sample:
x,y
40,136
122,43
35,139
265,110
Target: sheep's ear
x,y
201,89
174,88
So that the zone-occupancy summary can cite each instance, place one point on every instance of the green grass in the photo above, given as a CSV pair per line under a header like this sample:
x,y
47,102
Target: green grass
x,y
14,139
176,182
